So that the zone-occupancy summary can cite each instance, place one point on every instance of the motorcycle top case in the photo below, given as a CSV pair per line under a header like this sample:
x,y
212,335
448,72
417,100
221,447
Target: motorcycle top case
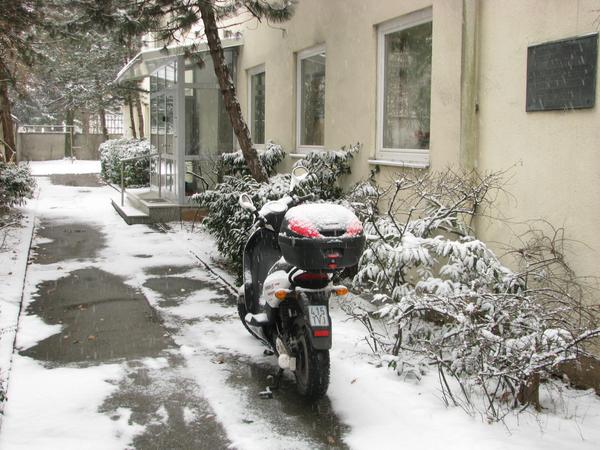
x,y
321,236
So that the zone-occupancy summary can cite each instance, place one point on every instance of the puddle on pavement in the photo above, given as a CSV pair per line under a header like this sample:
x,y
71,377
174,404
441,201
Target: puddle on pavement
x,y
69,241
102,318
173,289
78,180
287,410
170,407
163,271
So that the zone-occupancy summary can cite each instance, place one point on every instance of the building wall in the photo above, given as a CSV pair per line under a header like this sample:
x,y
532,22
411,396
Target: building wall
x,y
348,28
478,116
553,157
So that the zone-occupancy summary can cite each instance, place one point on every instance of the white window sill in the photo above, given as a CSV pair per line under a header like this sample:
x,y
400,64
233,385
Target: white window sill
x,y
408,164
297,155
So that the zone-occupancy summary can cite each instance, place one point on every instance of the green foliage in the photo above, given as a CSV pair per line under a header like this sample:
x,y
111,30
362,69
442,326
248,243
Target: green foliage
x,y
135,173
230,224
16,184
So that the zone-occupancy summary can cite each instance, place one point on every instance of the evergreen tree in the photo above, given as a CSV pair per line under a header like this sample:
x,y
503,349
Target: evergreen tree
x,y
170,19
18,19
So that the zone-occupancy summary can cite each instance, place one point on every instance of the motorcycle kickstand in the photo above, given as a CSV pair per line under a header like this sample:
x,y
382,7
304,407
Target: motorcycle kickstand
x,y
277,379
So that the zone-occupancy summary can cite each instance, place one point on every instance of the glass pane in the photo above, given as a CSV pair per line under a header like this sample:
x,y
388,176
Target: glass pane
x,y
153,115
169,125
257,109
192,122
153,83
171,75
312,97
407,88
196,171
225,136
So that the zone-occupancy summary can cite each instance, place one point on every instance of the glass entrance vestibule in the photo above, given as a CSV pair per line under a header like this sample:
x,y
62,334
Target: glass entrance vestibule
x,y
189,125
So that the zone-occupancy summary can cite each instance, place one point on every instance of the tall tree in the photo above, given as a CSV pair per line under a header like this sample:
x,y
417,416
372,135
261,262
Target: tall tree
x,y
18,19
171,20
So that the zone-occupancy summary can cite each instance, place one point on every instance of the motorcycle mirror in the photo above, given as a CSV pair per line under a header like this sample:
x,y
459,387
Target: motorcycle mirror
x,y
299,173
246,202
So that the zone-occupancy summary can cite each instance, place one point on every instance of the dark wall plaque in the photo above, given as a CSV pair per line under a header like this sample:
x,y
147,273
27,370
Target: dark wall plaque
x,y
562,74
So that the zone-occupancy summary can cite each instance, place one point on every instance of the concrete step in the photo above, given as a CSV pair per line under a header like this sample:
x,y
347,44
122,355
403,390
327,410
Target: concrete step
x,y
130,214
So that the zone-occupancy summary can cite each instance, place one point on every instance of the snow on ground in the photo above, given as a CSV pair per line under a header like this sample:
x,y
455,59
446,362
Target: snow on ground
x,y
64,166
57,408
13,263
64,413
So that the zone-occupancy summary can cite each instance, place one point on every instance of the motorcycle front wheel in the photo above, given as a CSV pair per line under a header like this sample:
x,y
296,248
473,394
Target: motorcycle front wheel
x,y
312,368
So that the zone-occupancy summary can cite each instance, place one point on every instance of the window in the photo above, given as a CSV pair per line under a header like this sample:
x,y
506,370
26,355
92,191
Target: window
x,y
256,104
310,95
404,89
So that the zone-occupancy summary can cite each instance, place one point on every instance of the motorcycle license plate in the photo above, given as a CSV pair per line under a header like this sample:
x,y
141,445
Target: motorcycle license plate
x,y
317,315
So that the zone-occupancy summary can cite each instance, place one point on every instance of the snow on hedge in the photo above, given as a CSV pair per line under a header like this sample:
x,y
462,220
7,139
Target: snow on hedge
x,y
135,173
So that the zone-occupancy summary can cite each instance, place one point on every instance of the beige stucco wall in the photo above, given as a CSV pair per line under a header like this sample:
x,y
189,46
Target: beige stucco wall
x,y
555,154
348,28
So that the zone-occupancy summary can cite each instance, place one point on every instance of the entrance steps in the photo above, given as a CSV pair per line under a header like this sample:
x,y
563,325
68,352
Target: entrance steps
x,y
146,207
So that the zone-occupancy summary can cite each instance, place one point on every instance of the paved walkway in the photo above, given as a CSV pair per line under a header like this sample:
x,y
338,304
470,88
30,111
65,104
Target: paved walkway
x,y
125,342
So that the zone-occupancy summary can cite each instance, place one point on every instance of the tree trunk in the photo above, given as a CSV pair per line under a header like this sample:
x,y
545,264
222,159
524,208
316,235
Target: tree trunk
x,y
131,116
85,122
8,135
529,392
228,90
102,115
140,114
68,132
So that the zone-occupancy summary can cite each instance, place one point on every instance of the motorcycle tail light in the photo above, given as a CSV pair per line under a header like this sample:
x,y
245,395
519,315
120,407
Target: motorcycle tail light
x,y
309,276
354,229
311,280
304,228
321,333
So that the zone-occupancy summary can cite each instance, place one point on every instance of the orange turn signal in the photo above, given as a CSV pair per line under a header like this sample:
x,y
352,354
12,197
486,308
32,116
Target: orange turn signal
x,y
341,290
281,294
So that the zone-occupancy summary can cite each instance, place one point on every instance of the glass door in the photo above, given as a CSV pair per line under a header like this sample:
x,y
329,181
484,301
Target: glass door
x,y
163,95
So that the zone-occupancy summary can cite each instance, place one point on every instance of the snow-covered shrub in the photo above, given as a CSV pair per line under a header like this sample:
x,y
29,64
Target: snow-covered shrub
x,y
230,224
234,163
135,173
451,300
16,184
326,168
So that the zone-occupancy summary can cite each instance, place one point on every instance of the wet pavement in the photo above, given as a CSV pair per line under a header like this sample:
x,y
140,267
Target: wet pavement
x,y
107,318
103,319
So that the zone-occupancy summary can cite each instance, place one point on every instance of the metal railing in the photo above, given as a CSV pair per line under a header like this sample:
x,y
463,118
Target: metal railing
x,y
200,177
137,158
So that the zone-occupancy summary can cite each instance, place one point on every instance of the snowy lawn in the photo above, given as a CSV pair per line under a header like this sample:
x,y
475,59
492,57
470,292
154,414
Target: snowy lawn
x,y
13,263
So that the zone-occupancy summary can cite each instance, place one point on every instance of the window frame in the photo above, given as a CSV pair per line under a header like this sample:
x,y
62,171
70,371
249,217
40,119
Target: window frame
x,y
304,54
249,74
412,157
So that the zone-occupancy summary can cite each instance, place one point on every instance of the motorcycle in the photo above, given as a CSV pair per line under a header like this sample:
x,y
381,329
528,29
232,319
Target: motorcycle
x,y
290,261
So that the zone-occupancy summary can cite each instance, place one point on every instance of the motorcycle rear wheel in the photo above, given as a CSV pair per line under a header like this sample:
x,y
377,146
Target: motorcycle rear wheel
x,y
312,369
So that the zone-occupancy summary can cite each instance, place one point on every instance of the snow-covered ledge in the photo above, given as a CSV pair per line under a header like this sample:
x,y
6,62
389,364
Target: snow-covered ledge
x,y
411,165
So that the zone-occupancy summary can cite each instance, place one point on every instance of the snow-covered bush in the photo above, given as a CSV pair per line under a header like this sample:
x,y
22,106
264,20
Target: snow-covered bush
x,y
487,328
135,173
230,224
16,184
234,163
